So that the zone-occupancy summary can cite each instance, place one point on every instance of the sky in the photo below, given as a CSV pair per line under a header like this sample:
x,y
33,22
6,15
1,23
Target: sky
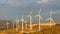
x,y
9,9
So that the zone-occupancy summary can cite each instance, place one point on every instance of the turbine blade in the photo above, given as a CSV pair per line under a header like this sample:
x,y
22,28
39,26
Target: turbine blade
x,y
47,19
31,11
38,16
22,19
50,19
28,16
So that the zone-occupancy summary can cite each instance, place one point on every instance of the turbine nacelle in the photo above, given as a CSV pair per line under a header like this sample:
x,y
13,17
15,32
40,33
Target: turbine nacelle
x,y
22,19
7,23
38,16
29,16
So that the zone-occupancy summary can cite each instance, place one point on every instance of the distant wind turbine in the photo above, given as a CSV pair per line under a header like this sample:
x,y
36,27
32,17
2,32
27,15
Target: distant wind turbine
x,y
22,20
30,19
7,25
50,18
17,24
39,16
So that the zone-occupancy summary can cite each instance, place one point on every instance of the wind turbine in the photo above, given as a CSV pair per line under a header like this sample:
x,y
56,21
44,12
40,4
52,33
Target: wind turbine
x,y
51,19
17,24
22,20
39,16
30,16
7,25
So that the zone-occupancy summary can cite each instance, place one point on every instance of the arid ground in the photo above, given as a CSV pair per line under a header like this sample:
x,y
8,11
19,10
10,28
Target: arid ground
x,y
45,29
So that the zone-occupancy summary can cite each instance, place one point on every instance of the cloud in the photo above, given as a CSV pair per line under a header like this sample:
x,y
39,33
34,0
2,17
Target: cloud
x,y
11,8
42,1
13,3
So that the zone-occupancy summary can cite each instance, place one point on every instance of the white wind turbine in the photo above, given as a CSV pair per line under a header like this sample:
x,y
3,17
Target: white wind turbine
x,y
22,20
17,24
30,16
51,19
7,24
39,16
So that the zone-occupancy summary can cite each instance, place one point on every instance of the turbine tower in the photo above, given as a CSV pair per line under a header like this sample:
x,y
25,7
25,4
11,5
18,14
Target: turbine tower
x,y
22,20
25,24
17,24
30,16
39,16
7,25
51,19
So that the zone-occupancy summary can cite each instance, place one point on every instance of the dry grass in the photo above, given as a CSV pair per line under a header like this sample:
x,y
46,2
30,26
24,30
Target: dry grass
x,y
44,30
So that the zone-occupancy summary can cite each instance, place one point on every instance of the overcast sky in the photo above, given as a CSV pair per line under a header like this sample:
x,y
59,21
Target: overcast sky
x,y
9,9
